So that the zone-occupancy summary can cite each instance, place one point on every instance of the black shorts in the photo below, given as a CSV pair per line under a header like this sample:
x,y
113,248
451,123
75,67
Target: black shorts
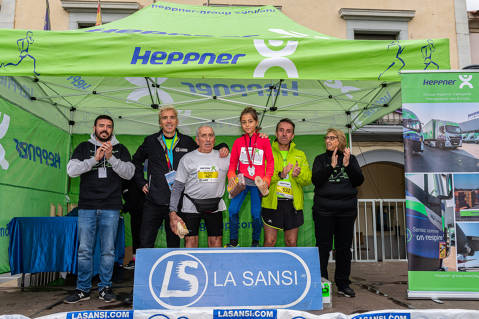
x,y
213,223
285,217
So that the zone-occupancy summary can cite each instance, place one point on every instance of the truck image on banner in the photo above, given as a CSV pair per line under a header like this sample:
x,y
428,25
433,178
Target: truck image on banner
x,y
412,131
442,134
428,220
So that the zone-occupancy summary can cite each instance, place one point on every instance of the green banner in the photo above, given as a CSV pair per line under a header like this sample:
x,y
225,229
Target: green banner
x,y
32,152
312,145
32,169
440,87
441,121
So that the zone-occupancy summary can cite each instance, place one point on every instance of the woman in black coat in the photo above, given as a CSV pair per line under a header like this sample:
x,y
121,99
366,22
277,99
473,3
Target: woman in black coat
x,y
336,174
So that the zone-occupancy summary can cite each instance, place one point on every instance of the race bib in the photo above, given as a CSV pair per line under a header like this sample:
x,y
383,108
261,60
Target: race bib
x,y
257,157
207,174
284,190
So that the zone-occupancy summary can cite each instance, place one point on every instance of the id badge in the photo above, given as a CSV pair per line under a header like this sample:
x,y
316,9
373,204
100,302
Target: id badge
x,y
251,170
170,178
102,172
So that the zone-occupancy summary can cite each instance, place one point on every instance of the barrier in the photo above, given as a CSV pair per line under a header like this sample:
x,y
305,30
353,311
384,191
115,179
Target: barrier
x,y
278,314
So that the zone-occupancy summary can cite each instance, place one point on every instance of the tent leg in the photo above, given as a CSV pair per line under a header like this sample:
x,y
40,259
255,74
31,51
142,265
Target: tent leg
x,y
350,130
271,88
68,154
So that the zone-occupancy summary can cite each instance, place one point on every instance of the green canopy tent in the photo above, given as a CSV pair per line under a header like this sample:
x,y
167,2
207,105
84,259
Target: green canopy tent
x,y
208,62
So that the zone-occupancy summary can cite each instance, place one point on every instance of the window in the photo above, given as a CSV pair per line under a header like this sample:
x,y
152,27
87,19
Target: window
x,y
376,24
7,13
361,35
83,13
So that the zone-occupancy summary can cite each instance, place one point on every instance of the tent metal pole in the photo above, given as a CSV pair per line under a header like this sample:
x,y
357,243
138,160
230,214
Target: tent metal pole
x,y
68,154
271,88
350,131
149,90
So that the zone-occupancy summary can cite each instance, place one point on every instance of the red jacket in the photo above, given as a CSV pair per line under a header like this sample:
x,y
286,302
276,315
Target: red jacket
x,y
262,159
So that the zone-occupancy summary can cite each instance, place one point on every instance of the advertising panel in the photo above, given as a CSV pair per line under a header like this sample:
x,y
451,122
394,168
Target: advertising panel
x,y
253,278
442,183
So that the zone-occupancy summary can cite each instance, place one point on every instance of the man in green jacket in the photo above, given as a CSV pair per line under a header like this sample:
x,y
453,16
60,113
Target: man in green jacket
x,y
283,207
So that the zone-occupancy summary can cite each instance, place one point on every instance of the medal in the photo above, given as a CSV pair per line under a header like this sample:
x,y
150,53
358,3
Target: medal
x,y
250,160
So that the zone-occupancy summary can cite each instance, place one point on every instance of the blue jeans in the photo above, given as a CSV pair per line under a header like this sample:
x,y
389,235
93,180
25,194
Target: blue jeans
x,y
91,221
235,206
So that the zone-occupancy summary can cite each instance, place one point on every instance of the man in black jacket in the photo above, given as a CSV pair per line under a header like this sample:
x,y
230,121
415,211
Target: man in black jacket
x,y
163,150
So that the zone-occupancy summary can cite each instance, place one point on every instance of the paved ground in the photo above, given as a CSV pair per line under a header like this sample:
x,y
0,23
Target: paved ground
x,y
378,286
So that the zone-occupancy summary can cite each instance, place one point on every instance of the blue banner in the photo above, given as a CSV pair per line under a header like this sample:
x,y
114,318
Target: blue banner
x,y
253,278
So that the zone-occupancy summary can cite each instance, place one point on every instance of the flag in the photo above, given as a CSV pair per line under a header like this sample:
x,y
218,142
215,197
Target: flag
x,y
46,25
98,14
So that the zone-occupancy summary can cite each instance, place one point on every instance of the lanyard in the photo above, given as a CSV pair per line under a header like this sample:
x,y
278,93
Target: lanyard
x,y
169,152
250,158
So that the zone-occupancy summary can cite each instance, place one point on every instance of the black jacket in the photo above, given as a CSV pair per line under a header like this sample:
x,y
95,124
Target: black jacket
x,y
335,188
153,150
95,192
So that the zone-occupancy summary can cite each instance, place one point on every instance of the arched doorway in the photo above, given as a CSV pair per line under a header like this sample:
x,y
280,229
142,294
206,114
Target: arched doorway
x,y
380,227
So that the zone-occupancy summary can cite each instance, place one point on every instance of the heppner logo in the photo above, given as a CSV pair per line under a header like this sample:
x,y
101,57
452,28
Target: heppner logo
x,y
439,82
276,58
233,278
162,57
464,78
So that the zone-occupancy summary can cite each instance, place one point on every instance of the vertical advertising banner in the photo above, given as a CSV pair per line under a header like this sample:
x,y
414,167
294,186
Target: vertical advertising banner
x,y
32,169
441,149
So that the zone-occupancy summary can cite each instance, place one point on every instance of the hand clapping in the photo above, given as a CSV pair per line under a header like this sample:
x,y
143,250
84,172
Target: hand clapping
x,y
106,149
296,170
347,156
334,158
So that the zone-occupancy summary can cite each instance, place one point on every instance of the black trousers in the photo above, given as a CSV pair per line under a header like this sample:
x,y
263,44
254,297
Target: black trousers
x,y
340,227
136,216
153,217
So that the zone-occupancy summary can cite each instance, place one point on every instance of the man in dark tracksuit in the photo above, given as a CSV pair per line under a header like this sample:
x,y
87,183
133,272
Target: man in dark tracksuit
x,y
163,151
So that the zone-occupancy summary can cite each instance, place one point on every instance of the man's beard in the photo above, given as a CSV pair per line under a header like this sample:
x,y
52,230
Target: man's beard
x,y
101,138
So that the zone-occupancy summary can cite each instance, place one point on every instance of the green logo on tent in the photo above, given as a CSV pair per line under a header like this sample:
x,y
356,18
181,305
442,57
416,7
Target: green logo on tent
x,y
276,58
3,130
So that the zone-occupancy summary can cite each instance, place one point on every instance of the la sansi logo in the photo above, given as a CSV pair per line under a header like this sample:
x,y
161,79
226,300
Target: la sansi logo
x,y
4,124
465,79
177,280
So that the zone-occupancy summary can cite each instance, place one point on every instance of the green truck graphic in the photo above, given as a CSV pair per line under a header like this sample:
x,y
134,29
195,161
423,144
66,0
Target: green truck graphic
x,y
442,134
